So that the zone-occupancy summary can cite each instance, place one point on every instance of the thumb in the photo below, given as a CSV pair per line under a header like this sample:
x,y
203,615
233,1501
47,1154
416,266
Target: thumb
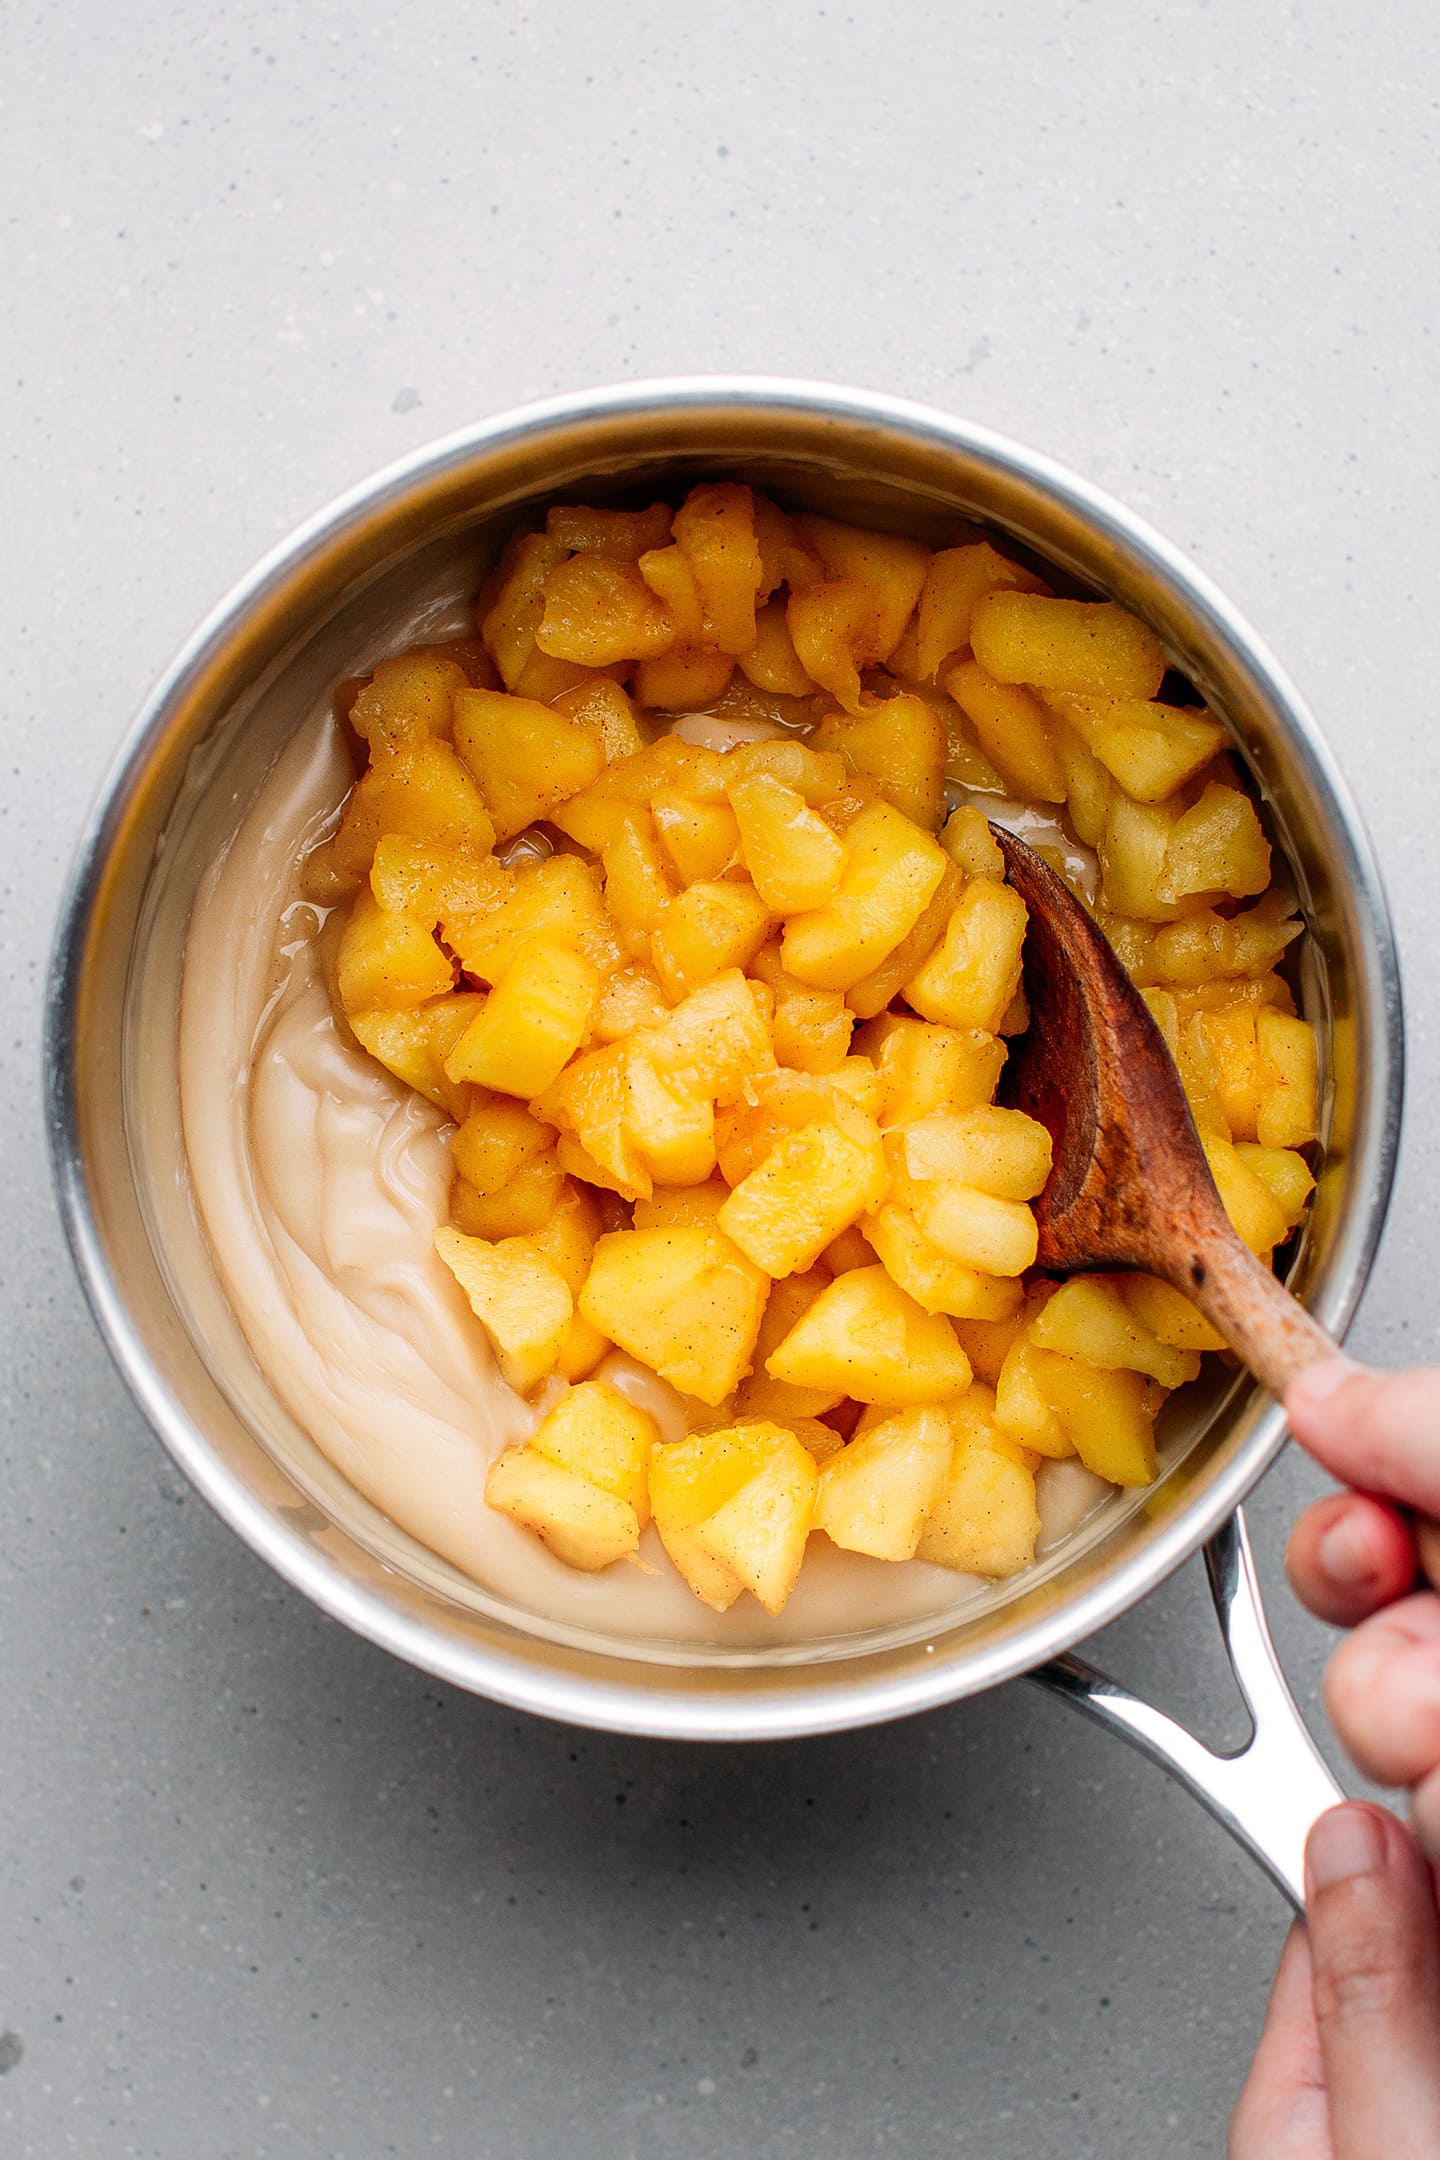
x,y
1379,1432
1282,2113
1375,1950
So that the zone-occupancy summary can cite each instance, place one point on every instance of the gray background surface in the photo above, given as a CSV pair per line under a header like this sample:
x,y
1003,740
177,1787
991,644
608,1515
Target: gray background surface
x,y
266,1892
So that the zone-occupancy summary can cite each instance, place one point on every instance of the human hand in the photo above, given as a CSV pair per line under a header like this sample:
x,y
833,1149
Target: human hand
x,y
1348,2066
1352,1561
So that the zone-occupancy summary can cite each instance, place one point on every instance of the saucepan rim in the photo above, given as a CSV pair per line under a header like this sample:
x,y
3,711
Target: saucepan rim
x,y
585,1689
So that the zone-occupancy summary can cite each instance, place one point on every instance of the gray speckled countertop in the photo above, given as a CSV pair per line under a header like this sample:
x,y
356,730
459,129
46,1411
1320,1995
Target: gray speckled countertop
x,y
266,1892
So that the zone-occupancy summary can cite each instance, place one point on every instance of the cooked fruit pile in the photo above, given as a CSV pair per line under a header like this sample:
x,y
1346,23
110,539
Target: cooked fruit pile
x,y
721,1031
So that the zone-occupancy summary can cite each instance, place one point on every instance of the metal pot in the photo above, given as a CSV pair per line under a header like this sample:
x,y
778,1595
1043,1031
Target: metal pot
x,y
420,533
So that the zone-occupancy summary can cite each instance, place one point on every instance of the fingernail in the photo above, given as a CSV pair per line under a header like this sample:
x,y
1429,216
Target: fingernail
x,y
1315,1384
1347,1842
1344,1553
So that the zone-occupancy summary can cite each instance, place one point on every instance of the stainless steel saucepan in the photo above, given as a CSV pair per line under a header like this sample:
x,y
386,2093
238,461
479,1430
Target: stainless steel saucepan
x,y
412,542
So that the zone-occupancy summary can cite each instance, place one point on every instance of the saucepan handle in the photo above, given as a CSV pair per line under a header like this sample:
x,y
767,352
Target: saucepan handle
x,y
1268,1792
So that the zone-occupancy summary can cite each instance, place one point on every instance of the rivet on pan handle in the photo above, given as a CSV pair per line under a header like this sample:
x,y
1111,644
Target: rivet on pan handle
x,y
1266,1793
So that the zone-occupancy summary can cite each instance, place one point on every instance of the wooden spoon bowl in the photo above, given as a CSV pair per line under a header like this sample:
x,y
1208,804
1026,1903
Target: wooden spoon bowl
x,y
1131,1186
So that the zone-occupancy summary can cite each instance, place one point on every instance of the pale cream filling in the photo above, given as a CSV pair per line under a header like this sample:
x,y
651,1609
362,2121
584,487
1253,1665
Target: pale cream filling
x,y
321,1181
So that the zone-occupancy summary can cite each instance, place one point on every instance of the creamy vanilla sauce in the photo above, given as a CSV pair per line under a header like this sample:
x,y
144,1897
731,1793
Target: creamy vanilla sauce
x,y
321,1182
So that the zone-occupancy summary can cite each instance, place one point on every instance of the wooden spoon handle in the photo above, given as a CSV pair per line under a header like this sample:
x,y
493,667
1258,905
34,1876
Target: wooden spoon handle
x,y
1263,1324
1273,1334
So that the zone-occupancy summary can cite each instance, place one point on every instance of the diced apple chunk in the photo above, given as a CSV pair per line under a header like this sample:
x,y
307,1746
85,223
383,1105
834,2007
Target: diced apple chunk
x,y
890,566
987,1343
1022,1407
812,1185
760,1532
1108,1417
525,757
789,850
834,627
668,573
629,1000
414,1042
899,742
993,1236
876,1493
418,790
532,1024
1132,852
495,1140
999,1151
598,1433
715,530
1253,1209
936,1281
881,986
956,579
925,1067
589,1101
970,981
582,1525
1090,647
1217,846
596,611
523,1303
685,1302
687,678
818,775
389,960
520,1207
623,535
969,841
712,926
1088,1318
1287,1174
582,1350
772,662
591,817
567,1236
891,870
1150,749
702,839
600,706
812,1030
681,1207
436,876
864,1336
819,1440
1288,1113
714,1042
673,1130
693,1480
986,1520
1167,1314
638,885
558,899
760,1396
1013,729
408,698
509,612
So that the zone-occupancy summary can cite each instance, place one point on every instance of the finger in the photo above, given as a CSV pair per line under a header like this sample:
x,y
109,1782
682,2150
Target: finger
x,y
1382,1690
1379,1432
1375,1947
1349,1556
1282,2113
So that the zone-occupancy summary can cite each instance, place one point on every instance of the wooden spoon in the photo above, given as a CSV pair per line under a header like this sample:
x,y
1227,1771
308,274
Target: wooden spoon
x,y
1131,1186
